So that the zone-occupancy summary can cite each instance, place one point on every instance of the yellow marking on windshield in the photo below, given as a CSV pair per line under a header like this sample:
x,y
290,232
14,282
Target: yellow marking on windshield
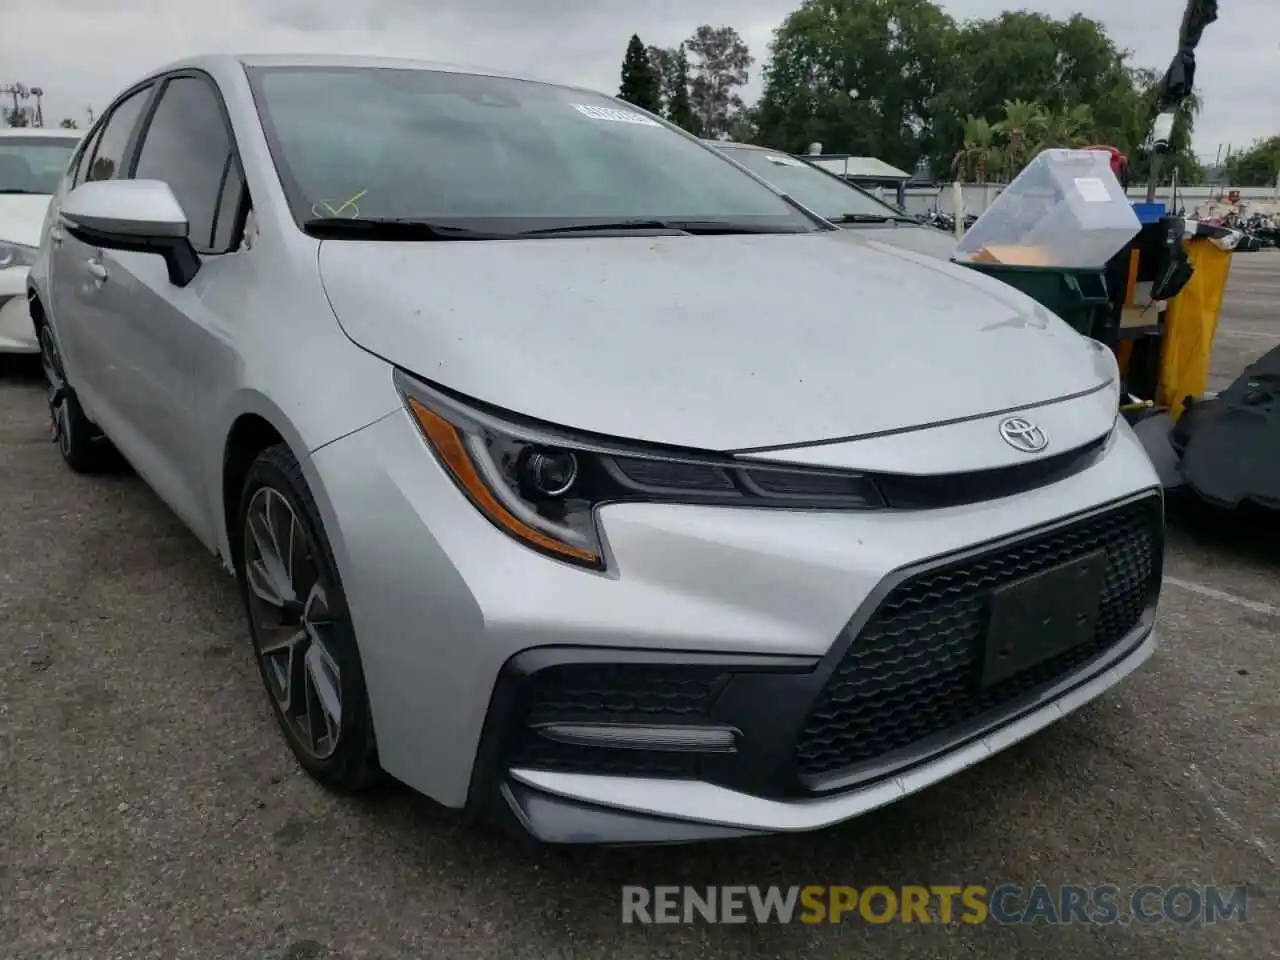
x,y
337,210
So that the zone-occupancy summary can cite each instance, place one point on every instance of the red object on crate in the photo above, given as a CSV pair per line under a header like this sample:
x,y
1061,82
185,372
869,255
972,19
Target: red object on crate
x,y
1119,162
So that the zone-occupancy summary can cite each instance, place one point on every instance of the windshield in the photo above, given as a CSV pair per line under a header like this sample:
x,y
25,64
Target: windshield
x,y
34,164
491,154
821,192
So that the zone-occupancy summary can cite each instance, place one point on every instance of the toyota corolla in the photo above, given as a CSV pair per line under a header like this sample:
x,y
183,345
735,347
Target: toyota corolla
x,y
571,473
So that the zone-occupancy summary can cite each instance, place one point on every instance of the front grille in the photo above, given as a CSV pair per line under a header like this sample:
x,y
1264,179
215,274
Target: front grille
x,y
614,693
911,673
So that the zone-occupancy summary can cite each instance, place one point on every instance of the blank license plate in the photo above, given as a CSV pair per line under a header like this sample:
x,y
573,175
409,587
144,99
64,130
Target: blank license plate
x,y
1040,616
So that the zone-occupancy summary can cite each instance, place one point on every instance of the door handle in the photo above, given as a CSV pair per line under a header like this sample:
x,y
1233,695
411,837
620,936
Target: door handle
x,y
96,269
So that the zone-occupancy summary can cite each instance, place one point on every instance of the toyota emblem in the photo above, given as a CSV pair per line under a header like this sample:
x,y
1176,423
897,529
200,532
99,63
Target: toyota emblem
x,y
1022,434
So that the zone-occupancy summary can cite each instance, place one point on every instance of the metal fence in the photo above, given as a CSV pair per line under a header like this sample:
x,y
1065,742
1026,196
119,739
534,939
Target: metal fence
x,y
979,196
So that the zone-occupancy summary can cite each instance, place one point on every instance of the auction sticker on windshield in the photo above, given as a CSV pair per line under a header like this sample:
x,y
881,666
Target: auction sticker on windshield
x,y
614,114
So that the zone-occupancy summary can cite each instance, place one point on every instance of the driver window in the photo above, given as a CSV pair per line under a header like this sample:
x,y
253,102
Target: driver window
x,y
188,146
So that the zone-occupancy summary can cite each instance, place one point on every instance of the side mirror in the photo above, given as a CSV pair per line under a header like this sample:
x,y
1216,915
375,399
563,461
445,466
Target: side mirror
x,y
141,216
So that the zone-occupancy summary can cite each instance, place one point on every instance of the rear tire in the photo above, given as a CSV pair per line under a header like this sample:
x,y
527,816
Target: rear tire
x,y
302,633
84,447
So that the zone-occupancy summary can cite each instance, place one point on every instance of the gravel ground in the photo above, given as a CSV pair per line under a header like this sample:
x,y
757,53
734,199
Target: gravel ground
x,y
148,808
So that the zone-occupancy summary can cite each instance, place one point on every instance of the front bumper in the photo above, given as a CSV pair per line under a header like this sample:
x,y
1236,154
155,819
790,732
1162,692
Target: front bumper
x,y
582,743
448,610
560,807
17,333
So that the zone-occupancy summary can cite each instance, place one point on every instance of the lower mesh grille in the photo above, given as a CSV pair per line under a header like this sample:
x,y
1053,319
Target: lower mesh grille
x,y
614,693
911,673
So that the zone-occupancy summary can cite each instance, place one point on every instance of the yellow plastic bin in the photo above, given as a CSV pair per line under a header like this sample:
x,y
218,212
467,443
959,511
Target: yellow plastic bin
x,y
1190,324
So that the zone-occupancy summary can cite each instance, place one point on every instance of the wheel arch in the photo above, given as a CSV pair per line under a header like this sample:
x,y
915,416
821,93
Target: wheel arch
x,y
252,423
39,314
249,435
36,305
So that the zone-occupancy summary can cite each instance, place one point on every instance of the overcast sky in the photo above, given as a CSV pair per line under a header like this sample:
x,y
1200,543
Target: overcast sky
x,y
83,51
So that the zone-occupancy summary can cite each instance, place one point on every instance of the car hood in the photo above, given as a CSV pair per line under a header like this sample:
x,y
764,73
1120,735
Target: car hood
x,y
22,217
926,240
721,343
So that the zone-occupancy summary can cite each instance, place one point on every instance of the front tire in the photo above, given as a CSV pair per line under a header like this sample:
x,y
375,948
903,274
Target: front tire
x,y
83,446
302,633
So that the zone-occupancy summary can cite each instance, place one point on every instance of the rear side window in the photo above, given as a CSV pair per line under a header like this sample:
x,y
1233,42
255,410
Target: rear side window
x,y
188,146
109,153
85,156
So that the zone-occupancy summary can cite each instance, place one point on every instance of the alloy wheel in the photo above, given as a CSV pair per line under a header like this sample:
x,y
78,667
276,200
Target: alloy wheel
x,y
293,623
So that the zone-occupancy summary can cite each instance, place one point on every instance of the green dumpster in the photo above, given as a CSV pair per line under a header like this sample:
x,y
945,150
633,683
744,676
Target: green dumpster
x,y
1078,296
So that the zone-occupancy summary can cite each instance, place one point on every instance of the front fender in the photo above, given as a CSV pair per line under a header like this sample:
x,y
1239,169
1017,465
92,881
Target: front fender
x,y
304,436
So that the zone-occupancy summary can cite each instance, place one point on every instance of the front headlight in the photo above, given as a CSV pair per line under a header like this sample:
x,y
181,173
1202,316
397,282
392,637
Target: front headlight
x,y
16,255
542,484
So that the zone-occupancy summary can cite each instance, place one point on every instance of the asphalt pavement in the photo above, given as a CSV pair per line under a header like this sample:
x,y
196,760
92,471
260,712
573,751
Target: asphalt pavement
x,y
149,808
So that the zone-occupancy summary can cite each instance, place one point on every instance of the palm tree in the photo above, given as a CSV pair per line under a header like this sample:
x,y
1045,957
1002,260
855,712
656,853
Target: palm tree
x,y
978,153
1023,126
1070,128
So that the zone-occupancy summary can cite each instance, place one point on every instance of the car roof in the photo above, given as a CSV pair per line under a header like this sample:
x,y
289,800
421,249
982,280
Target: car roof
x,y
219,63
742,146
60,133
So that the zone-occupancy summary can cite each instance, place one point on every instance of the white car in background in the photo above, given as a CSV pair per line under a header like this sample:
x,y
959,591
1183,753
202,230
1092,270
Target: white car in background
x,y
32,162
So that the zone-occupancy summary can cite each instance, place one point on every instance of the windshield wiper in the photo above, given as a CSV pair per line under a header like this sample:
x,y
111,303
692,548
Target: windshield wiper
x,y
606,227
409,229
873,218
392,229
697,227
29,193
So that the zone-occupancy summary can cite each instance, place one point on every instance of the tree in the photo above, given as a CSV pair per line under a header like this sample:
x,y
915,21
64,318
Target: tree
x,y
1070,128
1256,167
1023,128
745,128
859,76
979,152
719,72
899,80
680,109
663,61
67,124
1031,57
672,68
640,82
17,117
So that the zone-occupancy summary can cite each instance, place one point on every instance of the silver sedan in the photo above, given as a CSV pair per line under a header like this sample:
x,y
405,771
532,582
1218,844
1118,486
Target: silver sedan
x,y
571,473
